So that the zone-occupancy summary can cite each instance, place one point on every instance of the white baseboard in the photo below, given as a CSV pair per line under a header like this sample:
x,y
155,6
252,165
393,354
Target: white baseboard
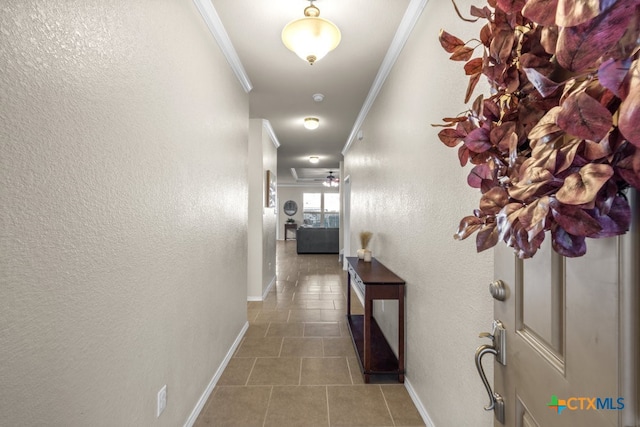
x,y
207,392
416,401
265,293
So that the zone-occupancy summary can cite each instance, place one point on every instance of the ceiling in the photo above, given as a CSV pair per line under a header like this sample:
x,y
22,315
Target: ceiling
x,y
283,84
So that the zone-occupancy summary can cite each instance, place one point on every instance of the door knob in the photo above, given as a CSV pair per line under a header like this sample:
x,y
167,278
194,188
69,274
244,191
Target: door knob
x,y
498,290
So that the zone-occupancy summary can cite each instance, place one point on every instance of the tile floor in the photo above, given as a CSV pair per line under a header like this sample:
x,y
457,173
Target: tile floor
x,y
296,365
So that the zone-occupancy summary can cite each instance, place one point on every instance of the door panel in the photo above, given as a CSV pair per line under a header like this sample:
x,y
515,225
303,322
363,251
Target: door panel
x,y
572,332
524,416
539,305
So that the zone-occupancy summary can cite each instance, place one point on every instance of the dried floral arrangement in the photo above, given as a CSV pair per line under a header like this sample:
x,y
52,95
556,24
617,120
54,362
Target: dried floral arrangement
x,y
557,141
365,238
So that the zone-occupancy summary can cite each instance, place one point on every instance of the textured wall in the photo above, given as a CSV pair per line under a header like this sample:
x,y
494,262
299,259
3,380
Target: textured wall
x,y
409,189
123,211
263,156
269,215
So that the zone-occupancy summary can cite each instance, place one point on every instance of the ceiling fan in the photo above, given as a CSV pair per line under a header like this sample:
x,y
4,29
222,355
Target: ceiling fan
x,y
331,180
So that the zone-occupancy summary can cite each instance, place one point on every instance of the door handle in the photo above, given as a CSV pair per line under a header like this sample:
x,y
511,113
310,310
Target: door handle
x,y
498,335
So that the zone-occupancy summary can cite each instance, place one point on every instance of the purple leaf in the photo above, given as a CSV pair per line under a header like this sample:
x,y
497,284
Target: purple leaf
x,y
463,155
630,108
478,140
501,136
525,247
574,220
579,47
478,174
545,86
611,74
606,197
511,5
541,12
629,168
487,237
567,244
584,117
617,221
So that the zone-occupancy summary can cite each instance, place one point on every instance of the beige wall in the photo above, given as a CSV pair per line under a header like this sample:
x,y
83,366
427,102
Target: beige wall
x,y
123,211
409,190
263,157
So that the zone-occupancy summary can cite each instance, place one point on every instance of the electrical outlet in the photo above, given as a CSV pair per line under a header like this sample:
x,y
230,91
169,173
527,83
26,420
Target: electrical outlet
x,y
162,400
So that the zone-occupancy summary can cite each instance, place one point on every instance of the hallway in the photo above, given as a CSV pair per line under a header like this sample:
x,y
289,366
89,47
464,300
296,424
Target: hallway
x,y
296,365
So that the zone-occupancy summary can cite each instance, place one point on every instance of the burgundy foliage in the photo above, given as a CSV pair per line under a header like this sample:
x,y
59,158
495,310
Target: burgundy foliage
x,y
557,142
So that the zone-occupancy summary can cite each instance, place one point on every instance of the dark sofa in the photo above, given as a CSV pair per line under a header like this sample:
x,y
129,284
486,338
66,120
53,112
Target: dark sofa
x,y
311,240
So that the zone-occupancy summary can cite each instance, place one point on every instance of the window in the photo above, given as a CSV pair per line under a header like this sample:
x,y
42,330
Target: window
x,y
321,209
331,210
312,209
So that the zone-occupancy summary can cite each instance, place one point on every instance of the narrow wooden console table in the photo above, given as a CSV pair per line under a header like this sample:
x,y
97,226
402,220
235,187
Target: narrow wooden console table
x,y
290,226
375,281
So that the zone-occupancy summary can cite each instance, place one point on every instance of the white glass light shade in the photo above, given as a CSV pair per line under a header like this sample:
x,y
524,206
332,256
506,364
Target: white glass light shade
x,y
311,38
314,159
311,123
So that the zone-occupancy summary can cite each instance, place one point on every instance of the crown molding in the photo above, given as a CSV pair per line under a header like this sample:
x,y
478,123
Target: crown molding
x,y
211,18
411,16
266,124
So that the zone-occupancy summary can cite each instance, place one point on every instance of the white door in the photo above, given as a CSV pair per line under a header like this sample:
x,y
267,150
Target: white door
x,y
571,335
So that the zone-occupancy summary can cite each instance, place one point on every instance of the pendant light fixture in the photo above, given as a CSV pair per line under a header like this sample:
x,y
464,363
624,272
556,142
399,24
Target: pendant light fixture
x,y
311,37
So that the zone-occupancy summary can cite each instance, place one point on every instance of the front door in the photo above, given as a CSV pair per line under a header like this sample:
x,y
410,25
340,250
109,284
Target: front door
x,y
571,335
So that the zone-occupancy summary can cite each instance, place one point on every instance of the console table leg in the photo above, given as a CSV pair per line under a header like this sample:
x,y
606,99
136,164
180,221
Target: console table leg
x,y
401,333
368,315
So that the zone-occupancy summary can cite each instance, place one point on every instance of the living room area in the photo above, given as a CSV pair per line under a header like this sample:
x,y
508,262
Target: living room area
x,y
312,216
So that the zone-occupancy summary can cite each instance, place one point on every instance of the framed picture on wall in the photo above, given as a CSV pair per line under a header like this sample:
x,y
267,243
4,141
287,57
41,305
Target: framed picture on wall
x,y
270,196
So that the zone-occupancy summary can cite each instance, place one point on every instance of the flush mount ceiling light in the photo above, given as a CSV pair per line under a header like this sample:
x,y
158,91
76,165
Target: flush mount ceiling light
x,y
311,37
331,181
314,159
311,123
